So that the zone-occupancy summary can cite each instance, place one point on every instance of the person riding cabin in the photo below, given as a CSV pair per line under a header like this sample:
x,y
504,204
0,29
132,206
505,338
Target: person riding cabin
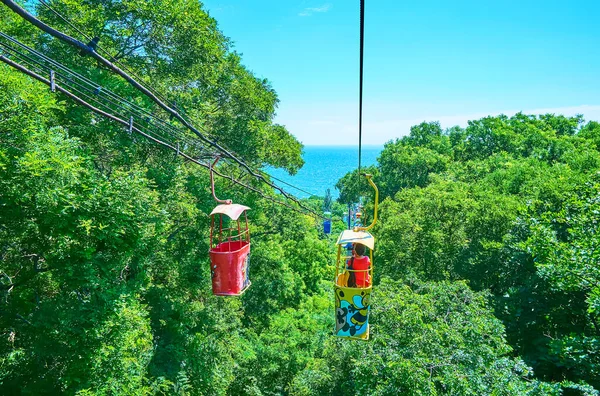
x,y
361,265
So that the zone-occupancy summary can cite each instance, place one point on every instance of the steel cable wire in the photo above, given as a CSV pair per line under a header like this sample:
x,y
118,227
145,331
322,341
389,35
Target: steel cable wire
x,y
90,93
90,51
54,63
136,129
98,46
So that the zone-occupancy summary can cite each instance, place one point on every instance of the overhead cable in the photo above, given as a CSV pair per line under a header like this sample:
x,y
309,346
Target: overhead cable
x,y
287,184
76,76
98,46
360,78
90,51
73,82
82,102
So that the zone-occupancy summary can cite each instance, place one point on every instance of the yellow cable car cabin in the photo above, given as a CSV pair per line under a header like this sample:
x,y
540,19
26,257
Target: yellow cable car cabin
x,y
353,279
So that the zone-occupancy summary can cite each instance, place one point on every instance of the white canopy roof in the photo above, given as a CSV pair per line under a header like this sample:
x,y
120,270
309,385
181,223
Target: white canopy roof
x,y
362,237
232,210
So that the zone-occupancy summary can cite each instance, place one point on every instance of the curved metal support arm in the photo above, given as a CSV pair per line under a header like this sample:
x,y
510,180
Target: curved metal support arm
x,y
212,183
369,178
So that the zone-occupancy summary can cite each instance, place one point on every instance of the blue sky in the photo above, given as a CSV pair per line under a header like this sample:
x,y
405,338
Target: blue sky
x,y
424,61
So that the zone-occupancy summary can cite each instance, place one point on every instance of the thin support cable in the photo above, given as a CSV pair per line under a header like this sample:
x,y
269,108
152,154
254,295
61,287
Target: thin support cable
x,y
71,72
360,89
233,158
64,19
82,102
98,47
90,51
75,75
286,183
92,90
39,68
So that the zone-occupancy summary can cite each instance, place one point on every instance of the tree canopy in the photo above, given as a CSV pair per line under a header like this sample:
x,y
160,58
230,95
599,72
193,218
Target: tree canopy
x,y
486,262
506,204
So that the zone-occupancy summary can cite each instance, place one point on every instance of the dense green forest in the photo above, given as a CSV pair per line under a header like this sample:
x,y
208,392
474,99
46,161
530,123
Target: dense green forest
x,y
487,274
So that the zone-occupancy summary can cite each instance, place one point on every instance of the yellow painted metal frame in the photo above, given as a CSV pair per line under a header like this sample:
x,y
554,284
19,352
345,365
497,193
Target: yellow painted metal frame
x,y
370,180
353,304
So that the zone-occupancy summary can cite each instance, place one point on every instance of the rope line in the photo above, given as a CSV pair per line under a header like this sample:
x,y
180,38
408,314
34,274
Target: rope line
x,y
106,110
90,51
360,89
98,46
82,102
287,184
75,75
90,94
65,20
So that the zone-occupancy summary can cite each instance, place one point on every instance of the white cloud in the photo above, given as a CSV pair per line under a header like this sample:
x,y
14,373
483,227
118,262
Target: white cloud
x,y
312,10
338,125
385,130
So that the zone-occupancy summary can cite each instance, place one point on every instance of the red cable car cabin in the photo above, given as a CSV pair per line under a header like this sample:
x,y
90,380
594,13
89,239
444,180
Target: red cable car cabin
x,y
229,250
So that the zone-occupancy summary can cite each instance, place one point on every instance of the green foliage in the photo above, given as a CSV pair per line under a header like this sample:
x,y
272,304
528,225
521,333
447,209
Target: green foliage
x,y
438,339
290,343
511,208
563,245
486,263
352,186
403,166
73,244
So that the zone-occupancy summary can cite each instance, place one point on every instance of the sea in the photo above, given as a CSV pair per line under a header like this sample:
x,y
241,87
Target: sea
x,y
323,167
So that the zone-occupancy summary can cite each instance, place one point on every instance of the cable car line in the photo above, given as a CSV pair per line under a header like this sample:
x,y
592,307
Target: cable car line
x,y
287,184
136,129
83,47
360,89
92,97
146,133
74,75
89,95
98,47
